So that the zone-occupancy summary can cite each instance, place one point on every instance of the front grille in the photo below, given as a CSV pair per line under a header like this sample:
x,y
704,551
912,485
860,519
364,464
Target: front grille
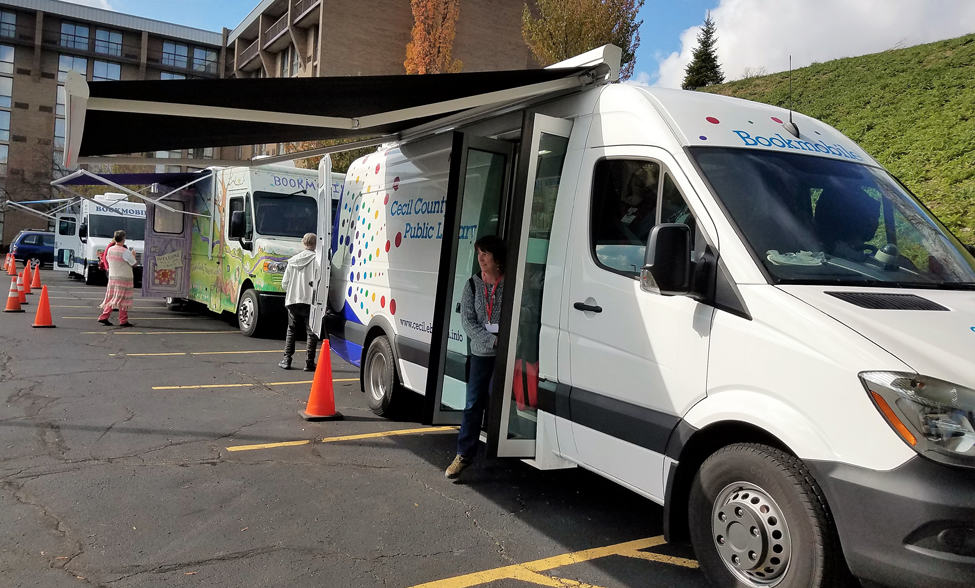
x,y
884,301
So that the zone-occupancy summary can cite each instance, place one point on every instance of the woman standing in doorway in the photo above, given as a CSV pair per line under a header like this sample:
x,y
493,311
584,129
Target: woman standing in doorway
x,y
481,313
118,295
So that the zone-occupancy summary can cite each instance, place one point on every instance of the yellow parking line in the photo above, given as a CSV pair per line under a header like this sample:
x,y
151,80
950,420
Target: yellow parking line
x,y
193,353
141,318
531,571
155,332
199,386
343,438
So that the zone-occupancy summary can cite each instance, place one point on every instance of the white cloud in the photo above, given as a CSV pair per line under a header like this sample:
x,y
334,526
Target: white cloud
x,y
757,34
93,3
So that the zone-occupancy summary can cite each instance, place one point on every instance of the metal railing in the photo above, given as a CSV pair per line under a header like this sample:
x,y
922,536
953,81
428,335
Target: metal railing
x,y
249,52
275,30
303,7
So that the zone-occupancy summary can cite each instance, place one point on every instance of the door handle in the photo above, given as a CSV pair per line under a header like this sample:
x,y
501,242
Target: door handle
x,y
587,307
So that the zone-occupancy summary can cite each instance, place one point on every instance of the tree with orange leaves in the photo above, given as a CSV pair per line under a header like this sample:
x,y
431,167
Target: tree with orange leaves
x,y
428,51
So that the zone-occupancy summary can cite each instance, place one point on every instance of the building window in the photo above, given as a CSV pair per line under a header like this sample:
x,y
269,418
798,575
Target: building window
x,y
204,60
3,160
59,134
203,153
174,54
74,36
6,90
108,42
68,63
168,155
6,59
8,26
106,70
4,125
168,75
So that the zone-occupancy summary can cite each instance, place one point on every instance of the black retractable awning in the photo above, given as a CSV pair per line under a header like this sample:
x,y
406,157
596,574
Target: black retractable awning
x,y
138,116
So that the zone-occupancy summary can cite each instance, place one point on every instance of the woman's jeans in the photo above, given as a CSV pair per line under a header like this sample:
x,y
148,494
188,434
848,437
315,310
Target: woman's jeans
x,y
478,392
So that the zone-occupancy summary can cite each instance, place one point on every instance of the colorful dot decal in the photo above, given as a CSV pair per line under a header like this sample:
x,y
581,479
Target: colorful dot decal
x,y
399,239
392,306
703,138
377,168
386,199
396,183
777,119
712,120
382,302
387,245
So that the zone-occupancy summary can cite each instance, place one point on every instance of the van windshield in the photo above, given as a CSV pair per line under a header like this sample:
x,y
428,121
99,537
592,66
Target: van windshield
x,y
814,220
283,215
103,225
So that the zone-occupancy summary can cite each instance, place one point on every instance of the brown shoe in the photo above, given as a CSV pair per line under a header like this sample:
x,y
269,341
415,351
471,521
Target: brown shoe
x,y
456,467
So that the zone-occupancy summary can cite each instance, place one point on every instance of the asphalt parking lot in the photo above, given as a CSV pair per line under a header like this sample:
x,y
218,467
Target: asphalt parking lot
x,y
172,454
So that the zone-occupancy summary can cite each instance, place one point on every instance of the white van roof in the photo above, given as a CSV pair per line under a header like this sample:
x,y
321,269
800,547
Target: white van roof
x,y
702,119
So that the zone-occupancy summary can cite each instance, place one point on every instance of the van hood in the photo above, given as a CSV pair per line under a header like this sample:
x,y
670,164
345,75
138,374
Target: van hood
x,y
932,331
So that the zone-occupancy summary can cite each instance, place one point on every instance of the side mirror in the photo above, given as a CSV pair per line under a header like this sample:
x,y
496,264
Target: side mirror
x,y
667,263
83,233
237,228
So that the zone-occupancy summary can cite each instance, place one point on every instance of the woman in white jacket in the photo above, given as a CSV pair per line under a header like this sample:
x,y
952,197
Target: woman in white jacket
x,y
298,282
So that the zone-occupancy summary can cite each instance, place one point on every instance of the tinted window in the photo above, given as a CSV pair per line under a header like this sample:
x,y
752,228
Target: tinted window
x,y
67,226
100,225
47,240
285,216
624,208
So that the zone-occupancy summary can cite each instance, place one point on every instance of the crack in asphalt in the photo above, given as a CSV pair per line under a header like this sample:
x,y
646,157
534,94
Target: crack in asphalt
x,y
21,496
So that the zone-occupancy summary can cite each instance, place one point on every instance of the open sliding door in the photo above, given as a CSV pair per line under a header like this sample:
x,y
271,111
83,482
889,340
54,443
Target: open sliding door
x,y
512,414
480,170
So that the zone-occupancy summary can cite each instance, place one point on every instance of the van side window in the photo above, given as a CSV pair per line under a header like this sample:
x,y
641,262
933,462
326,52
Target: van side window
x,y
67,226
624,209
237,204
674,209
47,240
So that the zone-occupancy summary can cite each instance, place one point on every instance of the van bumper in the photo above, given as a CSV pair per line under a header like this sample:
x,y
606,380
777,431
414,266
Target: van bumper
x,y
911,526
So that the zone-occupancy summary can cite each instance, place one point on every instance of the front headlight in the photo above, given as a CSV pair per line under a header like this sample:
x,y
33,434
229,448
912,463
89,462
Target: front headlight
x,y
275,267
935,417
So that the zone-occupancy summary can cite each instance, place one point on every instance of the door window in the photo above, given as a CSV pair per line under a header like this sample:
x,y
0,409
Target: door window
x,y
168,221
47,240
67,226
624,209
29,240
236,205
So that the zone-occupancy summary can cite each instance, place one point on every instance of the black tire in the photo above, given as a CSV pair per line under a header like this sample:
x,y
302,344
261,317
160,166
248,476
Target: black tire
x,y
174,303
761,505
90,278
379,377
250,315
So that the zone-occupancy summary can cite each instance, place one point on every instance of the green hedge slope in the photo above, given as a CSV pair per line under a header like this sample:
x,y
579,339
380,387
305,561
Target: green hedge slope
x,y
912,109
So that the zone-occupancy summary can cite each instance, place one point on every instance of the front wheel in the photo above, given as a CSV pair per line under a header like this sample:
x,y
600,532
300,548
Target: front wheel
x,y
379,376
249,313
758,519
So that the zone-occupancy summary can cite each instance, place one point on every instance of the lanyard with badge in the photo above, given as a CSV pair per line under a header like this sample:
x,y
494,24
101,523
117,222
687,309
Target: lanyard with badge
x,y
489,306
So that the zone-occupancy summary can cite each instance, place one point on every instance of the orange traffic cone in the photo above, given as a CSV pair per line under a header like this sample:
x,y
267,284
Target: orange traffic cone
x,y
27,278
321,400
12,266
43,317
20,289
36,283
13,298
6,262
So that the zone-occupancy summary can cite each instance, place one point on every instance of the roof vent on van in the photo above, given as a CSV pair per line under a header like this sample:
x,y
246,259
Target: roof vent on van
x,y
884,301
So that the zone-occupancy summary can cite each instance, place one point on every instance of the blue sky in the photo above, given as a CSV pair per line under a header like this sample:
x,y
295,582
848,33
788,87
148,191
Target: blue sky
x,y
754,36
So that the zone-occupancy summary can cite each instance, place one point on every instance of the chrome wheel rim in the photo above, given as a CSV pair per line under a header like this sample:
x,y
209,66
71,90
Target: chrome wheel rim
x,y
377,366
750,534
246,313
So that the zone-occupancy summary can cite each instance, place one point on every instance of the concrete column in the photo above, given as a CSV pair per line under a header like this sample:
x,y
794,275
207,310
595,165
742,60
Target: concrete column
x,y
144,55
35,69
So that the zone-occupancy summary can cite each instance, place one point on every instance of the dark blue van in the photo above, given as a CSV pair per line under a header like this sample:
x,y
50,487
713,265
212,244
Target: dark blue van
x,y
33,245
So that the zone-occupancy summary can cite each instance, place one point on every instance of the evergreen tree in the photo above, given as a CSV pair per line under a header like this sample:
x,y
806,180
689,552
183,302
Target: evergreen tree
x,y
704,69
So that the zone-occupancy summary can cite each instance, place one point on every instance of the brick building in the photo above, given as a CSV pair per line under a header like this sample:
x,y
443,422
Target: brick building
x,y
41,40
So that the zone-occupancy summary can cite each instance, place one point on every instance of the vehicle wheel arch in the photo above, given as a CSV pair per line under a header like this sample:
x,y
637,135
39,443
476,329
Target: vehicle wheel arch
x,y
379,326
697,447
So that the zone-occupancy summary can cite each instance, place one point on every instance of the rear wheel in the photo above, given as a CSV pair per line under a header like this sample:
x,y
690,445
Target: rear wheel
x,y
379,376
758,519
90,278
249,313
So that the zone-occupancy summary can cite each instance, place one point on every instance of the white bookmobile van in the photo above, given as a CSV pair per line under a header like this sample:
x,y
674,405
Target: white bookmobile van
x,y
726,307
85,229
763,331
